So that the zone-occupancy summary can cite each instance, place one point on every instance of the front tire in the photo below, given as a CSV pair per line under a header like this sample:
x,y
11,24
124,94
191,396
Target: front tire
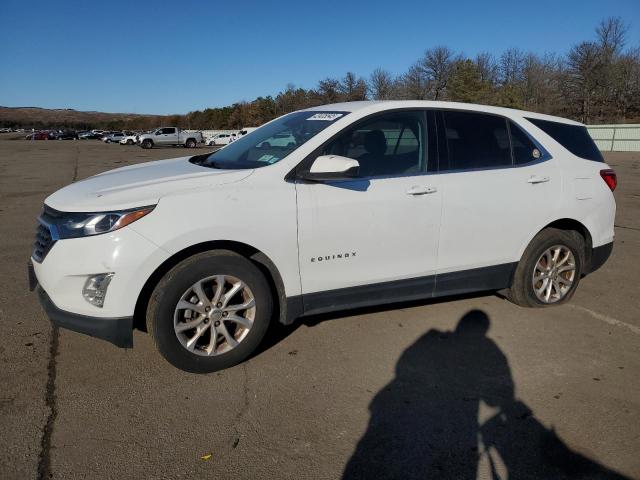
x,y
210,312
549,271
147,144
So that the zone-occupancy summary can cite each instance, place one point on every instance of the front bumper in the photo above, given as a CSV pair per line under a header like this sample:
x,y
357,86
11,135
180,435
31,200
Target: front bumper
x,y
118,331
67,265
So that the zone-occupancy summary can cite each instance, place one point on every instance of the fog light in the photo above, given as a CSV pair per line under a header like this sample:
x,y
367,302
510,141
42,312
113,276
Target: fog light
x,y
95,288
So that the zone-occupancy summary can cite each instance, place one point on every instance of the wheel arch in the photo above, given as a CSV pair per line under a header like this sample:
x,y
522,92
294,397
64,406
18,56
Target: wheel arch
x,y
283,310
569,224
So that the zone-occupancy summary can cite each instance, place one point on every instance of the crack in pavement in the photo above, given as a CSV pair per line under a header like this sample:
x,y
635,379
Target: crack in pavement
x,y
44,459
628,228
245,405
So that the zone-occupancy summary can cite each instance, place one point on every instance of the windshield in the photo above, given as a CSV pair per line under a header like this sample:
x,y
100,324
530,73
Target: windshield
x,y
271,143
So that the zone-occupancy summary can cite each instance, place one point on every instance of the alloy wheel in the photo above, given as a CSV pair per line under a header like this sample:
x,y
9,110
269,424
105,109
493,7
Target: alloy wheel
x,y
214,315
554,274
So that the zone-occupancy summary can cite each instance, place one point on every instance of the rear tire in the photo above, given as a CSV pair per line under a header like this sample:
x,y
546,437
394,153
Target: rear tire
x,y
190,143
549,271
238,332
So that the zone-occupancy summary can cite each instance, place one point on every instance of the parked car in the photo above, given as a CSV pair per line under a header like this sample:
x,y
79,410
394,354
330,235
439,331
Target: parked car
x,y
170,136
129,139
221,139
113,137
374,202
64,135
280,140
39,135
89,135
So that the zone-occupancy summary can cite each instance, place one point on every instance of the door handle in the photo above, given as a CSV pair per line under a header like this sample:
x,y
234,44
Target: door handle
x,y
417,190
537,179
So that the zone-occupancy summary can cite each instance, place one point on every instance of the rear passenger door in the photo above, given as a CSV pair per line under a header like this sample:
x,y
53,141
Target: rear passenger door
x,y
498,187
170,135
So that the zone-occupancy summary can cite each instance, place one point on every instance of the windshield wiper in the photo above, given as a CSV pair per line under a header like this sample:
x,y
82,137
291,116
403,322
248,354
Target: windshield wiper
x,y
203,161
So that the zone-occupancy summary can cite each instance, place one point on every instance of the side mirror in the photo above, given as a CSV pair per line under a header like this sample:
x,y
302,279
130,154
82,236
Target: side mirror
x,y
331,167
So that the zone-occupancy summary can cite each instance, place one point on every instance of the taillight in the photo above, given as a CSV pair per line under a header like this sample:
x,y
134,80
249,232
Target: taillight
x,y
610,178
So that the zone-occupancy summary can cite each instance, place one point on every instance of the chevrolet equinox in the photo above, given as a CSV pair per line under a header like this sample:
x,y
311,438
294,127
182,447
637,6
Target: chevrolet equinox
x,y
365,203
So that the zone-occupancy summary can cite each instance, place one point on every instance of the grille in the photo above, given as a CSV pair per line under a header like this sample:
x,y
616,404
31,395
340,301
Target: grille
x,y
43,243
44,240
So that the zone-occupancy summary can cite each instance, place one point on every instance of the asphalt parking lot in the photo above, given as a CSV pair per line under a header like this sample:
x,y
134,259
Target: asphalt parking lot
x,y
364,394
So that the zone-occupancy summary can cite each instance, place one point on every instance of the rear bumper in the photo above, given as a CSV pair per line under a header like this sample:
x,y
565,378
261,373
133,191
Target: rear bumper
x,y
118,331
599,255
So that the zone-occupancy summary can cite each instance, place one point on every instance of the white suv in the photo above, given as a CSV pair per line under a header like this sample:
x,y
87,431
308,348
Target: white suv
x,y
221,139
368,203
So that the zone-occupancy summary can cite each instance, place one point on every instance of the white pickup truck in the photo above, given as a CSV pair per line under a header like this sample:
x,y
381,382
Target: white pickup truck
x,y
169,136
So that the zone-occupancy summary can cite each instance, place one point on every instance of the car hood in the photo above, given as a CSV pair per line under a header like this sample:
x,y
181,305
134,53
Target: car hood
x,y
139,185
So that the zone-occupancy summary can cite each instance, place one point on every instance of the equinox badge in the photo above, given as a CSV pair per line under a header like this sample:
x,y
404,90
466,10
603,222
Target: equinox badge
x,y
337,256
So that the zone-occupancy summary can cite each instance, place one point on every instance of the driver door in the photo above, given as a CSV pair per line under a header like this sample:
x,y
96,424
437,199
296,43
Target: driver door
x,y
372,239
164,136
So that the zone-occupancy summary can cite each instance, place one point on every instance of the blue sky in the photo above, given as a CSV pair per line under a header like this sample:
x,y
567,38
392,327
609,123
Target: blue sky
x,y
177,56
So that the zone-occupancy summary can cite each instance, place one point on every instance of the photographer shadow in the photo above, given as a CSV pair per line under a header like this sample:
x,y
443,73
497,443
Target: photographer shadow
x,y
424,424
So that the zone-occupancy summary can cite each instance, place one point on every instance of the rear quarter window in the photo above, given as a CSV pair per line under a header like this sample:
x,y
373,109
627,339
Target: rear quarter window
x,y
574,138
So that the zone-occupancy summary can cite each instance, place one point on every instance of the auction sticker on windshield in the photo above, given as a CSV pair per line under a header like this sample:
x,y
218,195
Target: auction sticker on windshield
x,y
268,159
327,117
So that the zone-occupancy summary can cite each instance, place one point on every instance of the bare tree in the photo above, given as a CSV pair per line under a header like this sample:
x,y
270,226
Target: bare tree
x,y
583,62
487,67
626,85
611,37
352,88
381,84
511,63
413,84
436,65
612,34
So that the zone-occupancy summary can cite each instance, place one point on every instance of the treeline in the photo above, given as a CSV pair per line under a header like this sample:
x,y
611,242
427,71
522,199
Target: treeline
x,y
596,81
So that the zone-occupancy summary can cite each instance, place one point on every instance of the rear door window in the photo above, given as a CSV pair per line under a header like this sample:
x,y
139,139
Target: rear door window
x,y
574,138
524,150
473,140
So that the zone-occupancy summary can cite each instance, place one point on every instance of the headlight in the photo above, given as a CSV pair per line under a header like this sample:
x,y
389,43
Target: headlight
x,y
75,225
